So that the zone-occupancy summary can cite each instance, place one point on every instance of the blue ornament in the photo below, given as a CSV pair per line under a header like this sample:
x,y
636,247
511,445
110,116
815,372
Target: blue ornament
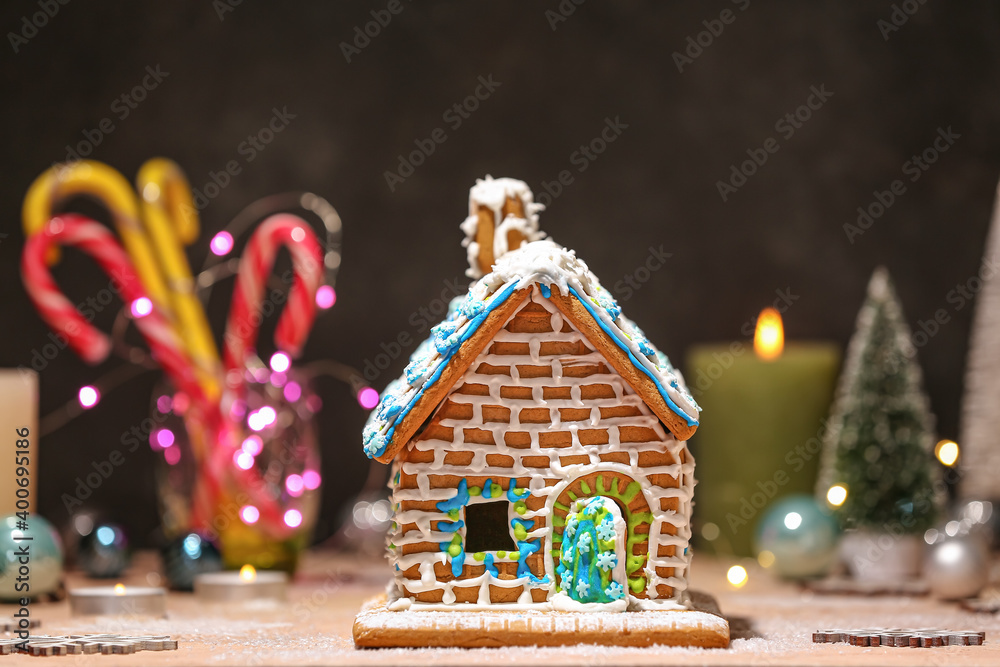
x,y
186,557
798,537
45,555
104,553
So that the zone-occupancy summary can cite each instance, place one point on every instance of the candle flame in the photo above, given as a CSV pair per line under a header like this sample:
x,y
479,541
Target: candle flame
x,y
769,338
248,573
119,589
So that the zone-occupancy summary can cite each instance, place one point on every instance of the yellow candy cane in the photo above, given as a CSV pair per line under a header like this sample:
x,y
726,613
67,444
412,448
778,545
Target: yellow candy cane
x,y
98,180
171,221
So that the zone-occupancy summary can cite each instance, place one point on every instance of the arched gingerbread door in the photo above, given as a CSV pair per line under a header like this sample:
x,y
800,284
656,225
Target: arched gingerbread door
x,y
626,493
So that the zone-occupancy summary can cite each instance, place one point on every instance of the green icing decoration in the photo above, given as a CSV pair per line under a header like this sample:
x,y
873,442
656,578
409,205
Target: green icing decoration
x,y
501,554
633,564
475,491
520,534
479,555
585,487
453,514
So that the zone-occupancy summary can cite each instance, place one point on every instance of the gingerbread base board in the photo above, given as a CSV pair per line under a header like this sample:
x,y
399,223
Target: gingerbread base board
x,y
377,627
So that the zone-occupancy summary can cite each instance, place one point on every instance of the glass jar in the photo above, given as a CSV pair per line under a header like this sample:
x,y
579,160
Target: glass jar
x,y
251,483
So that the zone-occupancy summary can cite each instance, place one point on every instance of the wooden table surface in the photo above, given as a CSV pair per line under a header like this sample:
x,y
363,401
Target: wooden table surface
x,y
772,624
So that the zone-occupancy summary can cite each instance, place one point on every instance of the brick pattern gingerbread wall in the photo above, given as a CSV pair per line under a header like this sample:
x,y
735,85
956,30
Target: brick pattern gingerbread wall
x,y
494,426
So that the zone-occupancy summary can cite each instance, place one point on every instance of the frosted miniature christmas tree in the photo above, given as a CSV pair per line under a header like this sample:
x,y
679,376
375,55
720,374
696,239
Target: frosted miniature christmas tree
x,y
980,416
879,438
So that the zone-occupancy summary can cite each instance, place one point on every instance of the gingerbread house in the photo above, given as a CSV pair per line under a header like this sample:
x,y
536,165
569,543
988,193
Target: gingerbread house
x,y
537,439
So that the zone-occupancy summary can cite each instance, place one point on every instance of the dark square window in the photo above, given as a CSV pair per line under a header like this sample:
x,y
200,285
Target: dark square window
x,y
487,528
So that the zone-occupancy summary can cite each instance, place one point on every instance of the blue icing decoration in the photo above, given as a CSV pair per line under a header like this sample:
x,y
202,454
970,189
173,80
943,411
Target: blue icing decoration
x,y
460,499
525,549
376,442
584,571
449,526
663,392
490,567
488,488
513,495
546,290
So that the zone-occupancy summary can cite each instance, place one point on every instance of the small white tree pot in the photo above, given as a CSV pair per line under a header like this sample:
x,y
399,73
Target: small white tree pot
x,y
874,556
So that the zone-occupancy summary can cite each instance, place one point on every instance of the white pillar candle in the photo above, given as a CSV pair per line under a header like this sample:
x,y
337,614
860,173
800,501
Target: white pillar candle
x,y
18,421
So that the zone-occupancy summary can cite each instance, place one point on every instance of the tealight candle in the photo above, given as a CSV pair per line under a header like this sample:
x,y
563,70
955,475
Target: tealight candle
x,y
118,600
247,584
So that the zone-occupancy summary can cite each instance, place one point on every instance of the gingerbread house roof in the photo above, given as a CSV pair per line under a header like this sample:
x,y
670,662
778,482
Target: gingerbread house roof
x,y
473,320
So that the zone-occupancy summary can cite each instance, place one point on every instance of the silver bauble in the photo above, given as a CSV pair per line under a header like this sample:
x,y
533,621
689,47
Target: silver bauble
x,y
956,567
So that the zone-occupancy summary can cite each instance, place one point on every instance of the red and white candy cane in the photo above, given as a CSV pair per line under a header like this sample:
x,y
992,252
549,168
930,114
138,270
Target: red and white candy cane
x,y
62,316
282,230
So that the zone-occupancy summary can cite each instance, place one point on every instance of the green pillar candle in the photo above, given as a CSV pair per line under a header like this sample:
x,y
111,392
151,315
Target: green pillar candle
x,y
760,438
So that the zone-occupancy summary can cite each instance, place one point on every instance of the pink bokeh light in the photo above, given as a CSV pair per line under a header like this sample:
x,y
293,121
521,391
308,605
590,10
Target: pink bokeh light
x,y
326,297
293,518
368,398
280,362
243,460
88,397
141,307
172,455
249,514
221,244
164,438
294,485
253,445
293,392
311,479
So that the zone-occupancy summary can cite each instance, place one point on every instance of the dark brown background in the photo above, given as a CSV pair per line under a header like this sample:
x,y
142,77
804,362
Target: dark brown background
x,y
656,184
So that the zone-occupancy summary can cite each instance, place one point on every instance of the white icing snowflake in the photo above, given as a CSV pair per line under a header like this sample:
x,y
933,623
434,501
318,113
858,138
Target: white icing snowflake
x,y
606,531
566,578
570,528
606,560
582,588
615,591
568,553
583,544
